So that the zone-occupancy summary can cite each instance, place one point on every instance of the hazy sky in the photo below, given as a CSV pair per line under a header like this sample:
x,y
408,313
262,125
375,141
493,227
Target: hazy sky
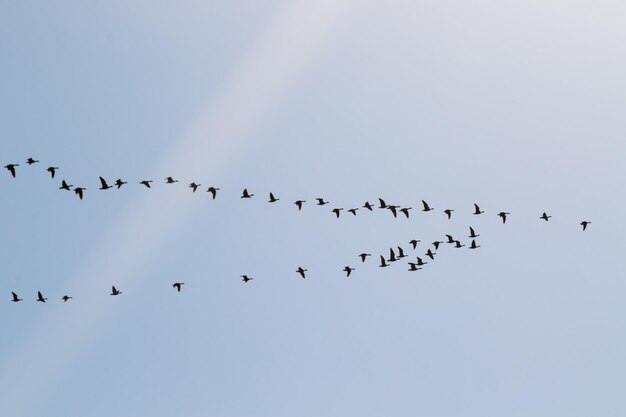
x,y
517,106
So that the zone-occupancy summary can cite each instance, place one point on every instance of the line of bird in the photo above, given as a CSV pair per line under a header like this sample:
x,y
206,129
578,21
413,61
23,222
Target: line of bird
x,y
394,209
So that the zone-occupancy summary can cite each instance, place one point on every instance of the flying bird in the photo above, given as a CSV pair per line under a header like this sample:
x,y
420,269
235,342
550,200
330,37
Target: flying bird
x,y
394,210
66,298
367,205
449,213
436,244
213,191
414,243
406,211
321,202
336,211
392,256
31,161
474,245
544,216
353,211
420,262
103,184
246,194
146,183
584,224
450,239
177,285
40,297
382,203
472,233
363,256
170,180
413,267
194,186
299,204
65,186
52,171
11,168
348,270
79,192
502,214
301,271
383,264
426,206
401,253
431,254
15,299
114,291
273,199
119,183
246,278
457,244
477,209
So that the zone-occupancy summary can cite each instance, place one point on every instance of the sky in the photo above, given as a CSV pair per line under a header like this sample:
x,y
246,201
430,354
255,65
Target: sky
x,y
516,106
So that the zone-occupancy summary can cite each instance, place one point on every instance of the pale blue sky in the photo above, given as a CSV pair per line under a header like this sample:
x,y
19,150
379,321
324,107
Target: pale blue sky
x,y
514,105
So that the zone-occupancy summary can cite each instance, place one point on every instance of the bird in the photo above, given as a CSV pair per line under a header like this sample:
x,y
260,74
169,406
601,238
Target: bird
x,y
413,267
246,194
40,297
336,211
353,211
431,254
301,271
11,168
367,205
114,291
584,224
544,216
65,186
449,213
146,183
472,233
52,171
364,255
406,211
273,199
426,206
31,161
477,209
474,245
66,298
299,203
79,192
502,214
457,244
213,191
436,244
420,262
414,243
394,210
382,203
15,299
119,183
246,278
392,256
170,180
401,253
177,285
450,239
194,186
321,202
383,264
348,270
104,185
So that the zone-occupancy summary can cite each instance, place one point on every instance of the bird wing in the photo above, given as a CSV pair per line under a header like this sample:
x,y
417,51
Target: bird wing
x,y
104,183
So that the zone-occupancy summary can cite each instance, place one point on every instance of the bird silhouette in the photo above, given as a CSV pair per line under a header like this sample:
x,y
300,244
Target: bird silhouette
x,y
65,186
11,168
392,256
472,233
474,245
426,206
301,271
348,270
502,215
170,180
177,285
450,239
246,278
114,291
273,199
406,211
79,192
457,244
146,183
383,264
299,203
194,186
15,299
353,211
40,297
414,243
430,254
401,253
584,224
103,184
382,203
31,161
336,211
213,191
321,202
420,262
477,210
119,183
449,213
393,210
363,256
367,205
436,244
544,216
413,267
52,171
246,194
66,298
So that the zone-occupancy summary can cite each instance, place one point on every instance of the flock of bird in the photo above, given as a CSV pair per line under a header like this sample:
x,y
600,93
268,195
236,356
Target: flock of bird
x,y
384,262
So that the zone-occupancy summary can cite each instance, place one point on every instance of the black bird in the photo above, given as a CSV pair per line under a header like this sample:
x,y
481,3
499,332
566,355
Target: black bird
x,y
65,186
246,194
40,297
584,224
426,206
177,285
449,213
406,211
367,205
474,245
213,191
246,278
273,199
436,244
114,291
146,183
353,211
382,203
392,256
11,168
348,270
299,204
194,186
321,202
414,243
79,192
15,299
457,244
450,239
170,180
472,233
119,183
31,161
393,210
363,256
104,185
544,216
502,214
401,253
431,254
477,209
52,171
413,267
301,271
420,262
336,211
383,264
66,298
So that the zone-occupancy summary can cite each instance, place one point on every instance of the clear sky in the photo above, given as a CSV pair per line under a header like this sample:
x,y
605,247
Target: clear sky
x,y
515,105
